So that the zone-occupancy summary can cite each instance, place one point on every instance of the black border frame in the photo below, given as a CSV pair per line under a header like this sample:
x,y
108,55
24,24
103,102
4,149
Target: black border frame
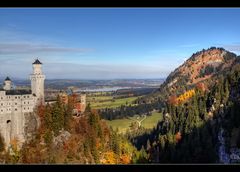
x,y
117,4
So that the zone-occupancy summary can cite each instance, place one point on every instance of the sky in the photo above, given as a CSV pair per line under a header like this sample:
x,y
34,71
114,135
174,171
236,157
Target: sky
x,y
111,43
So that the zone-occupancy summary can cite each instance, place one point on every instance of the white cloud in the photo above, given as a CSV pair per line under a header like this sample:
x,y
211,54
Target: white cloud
x,y
30,48
80,71
232,47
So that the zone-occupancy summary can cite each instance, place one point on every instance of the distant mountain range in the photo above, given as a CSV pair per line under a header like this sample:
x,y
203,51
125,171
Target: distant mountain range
x,y
91,84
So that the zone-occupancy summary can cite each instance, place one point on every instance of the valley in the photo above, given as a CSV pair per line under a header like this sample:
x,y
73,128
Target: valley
x,y
190,117
131,123
141,86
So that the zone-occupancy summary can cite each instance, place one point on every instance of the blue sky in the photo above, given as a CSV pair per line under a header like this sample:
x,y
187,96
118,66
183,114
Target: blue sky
x,y
111,43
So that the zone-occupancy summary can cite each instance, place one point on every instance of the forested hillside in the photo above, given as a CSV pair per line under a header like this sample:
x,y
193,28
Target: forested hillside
x,y
200,103
201,128
200,68
63,138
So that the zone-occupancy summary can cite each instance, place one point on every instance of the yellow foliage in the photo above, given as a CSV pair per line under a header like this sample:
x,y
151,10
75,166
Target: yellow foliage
x,y
109,158
186,95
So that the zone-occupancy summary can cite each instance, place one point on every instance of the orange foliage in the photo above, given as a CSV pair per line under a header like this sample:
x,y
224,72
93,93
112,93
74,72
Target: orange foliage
x,y
14,143
65,147
201,86
41,110
125,159
173,100
178,136
98,144
41,113
74,97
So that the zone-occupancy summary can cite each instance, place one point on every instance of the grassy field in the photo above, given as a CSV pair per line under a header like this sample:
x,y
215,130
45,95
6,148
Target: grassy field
x,y
98,98
121,124
152,120
124,124
100,102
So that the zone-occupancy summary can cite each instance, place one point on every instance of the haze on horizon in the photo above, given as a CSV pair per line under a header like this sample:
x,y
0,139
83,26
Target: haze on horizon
x,y
111,43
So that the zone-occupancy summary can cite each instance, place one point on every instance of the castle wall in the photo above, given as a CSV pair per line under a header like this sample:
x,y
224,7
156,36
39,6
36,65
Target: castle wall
x,y
12,109
17,117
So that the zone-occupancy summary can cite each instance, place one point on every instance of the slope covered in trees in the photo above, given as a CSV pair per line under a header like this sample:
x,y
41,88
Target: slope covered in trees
x,y
199,69
190,131
200,102
63,138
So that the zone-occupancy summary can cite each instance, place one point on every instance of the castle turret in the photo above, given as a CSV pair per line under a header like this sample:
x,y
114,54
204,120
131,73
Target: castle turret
x,y
7,84
37,81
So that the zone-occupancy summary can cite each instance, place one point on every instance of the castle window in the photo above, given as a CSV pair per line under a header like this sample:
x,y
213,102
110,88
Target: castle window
x,y
1,110
16,109
24,96
24,108
27,96
1,97
1,104
28,108
28,102
24,102
15,103
15,97
19,97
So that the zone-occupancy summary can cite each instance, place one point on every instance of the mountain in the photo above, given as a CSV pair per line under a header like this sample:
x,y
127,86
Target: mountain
x,y
202,66
201,122
198,71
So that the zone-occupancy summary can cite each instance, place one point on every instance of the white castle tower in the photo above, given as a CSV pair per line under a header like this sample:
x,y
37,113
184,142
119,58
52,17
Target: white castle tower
x,y
37,81
17,108
7,84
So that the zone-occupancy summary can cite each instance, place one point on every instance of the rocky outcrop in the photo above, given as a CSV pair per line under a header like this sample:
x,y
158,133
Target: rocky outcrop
x,y
59,140
31,125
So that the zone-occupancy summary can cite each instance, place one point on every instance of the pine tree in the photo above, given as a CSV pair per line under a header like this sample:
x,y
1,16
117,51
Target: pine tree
x,y
48,120
142,156
226,90
148,145
48,137
58,116
88,108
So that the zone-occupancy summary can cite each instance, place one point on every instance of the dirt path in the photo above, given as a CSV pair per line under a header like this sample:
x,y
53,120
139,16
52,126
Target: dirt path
x,y
139,122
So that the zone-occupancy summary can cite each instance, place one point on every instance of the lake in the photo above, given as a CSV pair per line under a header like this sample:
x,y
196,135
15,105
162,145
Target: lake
x,y
104,89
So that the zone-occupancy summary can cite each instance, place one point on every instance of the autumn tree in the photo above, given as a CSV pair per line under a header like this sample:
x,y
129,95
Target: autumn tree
x,y
48,118
173,100
68,112
178,136
41,115
201,86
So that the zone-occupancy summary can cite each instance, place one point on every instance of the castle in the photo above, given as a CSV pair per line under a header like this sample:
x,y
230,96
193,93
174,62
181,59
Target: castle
x,y
17,106
78,99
